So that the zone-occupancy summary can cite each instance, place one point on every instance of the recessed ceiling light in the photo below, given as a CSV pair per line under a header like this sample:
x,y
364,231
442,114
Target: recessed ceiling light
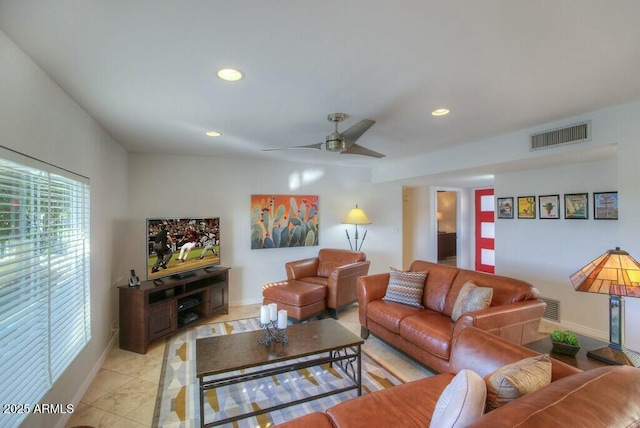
x,y
440,112
213,134
230,74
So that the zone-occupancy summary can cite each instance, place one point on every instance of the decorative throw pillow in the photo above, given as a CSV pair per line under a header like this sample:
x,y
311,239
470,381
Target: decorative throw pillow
x,y
406,287
461,402
515,380
471,298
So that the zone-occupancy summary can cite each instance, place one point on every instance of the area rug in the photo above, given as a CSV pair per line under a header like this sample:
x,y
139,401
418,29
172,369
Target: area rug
x,y
177,404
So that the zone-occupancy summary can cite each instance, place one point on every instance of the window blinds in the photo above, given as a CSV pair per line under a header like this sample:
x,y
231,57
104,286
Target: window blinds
x,y
44,281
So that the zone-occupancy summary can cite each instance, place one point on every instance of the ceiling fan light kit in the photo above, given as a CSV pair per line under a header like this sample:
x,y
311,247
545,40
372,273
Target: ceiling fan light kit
x,y
345,142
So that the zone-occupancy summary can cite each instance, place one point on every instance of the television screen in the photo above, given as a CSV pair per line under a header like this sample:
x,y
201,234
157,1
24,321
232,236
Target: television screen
x,y
177,246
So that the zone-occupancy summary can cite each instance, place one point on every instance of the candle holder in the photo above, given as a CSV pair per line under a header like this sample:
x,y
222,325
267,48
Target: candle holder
x,y
275,330
272,334
268,334
282,336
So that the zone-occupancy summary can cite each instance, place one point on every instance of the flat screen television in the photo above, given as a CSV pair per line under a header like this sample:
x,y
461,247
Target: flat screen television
x,y
190,244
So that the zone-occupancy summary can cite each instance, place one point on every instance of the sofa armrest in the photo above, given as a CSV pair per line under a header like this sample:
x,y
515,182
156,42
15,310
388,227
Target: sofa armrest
x,y
341,284
517,322
302,268
483,352
370,288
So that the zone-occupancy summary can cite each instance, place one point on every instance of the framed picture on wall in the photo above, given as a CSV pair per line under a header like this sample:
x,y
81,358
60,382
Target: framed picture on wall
x,y
526,207
549,206
505,207
605,205
576,206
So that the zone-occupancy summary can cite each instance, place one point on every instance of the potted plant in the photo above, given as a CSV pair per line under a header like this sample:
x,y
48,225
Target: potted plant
x,y
565,342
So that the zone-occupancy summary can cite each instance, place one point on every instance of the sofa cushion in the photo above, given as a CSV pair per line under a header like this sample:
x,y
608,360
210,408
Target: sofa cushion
x,y
389,314
461,402
506,290
596,398
430,331
515,380
406,287
471,298
392,406
438,284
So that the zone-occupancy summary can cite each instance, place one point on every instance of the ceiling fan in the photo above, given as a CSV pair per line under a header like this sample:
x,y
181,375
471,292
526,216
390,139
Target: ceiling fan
x,y
345,142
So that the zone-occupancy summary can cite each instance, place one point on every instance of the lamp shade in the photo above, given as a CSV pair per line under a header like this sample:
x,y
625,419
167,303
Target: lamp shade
x,y
356,216
614,272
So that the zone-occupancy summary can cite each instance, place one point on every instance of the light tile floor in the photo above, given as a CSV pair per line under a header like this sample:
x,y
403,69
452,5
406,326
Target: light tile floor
x,y
124,392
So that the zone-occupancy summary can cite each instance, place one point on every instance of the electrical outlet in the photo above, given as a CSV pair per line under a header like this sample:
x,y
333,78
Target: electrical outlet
x,y
114,327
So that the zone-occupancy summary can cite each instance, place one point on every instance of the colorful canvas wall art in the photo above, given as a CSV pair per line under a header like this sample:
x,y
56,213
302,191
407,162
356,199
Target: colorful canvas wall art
x,y
279,221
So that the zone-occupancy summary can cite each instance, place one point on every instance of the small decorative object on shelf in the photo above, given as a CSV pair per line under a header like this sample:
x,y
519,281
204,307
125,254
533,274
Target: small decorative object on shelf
x,y
274,325
565,342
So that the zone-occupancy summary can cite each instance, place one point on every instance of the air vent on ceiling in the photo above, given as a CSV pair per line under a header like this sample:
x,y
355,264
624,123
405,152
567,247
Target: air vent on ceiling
x,y
577,133
552,312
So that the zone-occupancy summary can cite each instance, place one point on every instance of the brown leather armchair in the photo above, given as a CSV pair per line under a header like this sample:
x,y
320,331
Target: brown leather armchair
x,y
336,269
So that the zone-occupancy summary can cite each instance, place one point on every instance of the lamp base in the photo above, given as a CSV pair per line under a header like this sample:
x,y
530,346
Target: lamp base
x,y
610,356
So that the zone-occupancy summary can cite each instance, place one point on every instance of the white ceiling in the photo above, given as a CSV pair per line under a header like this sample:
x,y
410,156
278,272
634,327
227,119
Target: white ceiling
x,y
145,69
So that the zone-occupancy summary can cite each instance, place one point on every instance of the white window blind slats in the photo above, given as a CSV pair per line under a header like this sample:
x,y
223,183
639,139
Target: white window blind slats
x,y
17,385
29,326
15,300
44,280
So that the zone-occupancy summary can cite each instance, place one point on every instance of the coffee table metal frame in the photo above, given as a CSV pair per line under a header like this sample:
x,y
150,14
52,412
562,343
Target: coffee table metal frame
x,y
347,356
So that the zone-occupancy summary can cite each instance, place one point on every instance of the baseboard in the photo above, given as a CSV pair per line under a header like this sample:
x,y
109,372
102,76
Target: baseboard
x,y
62,422
591,332
246,302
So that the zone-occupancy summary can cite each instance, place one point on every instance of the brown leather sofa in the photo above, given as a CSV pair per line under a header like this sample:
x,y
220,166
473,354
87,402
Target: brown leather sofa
x,y
427,334
334,270
604,397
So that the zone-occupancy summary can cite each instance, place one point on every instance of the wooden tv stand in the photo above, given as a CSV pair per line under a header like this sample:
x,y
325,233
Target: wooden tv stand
x,y
156,309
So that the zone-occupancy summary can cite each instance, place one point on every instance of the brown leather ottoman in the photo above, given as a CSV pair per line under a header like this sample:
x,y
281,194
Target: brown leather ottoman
x,y
301,300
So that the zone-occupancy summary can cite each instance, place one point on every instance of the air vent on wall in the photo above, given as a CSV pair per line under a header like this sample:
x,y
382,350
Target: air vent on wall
x,y
577,133
552,312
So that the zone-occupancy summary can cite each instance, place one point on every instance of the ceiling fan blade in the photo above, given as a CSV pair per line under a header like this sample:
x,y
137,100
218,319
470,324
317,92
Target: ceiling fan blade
x,y
317,146
352,134
359,150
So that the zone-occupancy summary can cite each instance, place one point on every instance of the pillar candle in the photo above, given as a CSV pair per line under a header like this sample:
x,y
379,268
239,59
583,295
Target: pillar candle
x,y
282,319
273,311
264,314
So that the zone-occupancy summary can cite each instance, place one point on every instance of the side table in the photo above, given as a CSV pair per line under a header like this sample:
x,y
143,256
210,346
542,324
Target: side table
x,y
580,360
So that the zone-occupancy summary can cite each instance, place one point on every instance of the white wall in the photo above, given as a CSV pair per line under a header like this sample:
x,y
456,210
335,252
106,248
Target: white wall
x,y
626,121
183,186
547,252
419,227
558,248
38,119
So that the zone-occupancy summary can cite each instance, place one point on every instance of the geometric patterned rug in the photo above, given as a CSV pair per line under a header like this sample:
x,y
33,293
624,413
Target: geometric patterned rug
x,y
177,405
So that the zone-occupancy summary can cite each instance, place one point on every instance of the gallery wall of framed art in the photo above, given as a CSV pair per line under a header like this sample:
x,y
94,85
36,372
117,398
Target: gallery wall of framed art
x,y
575,206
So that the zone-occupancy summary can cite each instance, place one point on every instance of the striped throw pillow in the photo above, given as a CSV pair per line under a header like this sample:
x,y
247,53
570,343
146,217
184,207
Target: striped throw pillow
x,y
406,287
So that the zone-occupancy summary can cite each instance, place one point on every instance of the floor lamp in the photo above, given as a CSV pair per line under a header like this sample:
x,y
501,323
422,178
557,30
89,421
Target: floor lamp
x,y
617,274
356,216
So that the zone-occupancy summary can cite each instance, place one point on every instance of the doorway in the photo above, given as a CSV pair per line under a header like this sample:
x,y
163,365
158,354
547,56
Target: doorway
x,y
485,230
446,212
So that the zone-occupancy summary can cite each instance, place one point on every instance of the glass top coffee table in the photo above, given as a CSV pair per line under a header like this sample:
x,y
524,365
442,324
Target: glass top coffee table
x,y
235,358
